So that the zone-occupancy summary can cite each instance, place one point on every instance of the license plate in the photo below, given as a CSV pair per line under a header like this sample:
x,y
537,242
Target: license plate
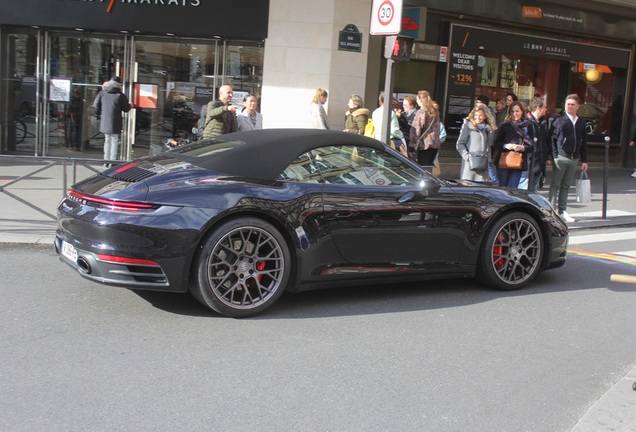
x,y
69,251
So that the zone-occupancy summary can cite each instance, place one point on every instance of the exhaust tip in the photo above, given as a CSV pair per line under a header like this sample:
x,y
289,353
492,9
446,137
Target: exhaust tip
x,y
83,265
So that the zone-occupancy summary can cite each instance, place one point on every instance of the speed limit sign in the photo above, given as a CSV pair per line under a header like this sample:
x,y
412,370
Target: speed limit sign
x,y
386,17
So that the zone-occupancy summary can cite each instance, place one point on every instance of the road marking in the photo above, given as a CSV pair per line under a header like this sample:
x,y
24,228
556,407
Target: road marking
x,y
601,238
598,214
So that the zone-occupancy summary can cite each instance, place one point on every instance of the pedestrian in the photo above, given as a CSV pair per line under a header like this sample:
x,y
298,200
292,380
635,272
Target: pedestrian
x,y
405,120
395,134
502,115
317,113
631,150
514,135
109,104
220,115
501,111
249,118
540,151
425,130
357,116
437,169
568,143
476,140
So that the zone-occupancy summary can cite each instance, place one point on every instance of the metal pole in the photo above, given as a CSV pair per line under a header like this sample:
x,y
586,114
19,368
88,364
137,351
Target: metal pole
x,y
388,91
605,177
532,161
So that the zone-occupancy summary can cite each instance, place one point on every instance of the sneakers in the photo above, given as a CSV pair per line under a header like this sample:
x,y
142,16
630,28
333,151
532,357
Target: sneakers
x,y
566,217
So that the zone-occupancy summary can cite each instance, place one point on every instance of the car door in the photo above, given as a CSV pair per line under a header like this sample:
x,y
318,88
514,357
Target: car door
x,y
380,210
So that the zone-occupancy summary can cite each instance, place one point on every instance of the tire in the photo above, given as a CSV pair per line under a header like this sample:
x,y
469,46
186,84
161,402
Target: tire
x,y
511,253
242,268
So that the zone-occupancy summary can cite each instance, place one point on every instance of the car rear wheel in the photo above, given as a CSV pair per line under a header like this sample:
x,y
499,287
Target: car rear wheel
x,y
242,268
511,253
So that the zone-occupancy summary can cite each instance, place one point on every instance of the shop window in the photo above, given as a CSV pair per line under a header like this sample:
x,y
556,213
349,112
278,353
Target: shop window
x,y
600,87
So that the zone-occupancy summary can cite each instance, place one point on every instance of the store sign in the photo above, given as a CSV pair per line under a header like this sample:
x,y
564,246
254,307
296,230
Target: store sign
x,y
428,52
414,23
197,18
350,39
467,42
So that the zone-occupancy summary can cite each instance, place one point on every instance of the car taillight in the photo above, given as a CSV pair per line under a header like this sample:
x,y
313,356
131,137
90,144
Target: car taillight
x,y
128,206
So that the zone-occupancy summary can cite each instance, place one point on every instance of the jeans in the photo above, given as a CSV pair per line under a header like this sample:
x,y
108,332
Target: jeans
x,y
111,145
523,182
509,177
563,170
493,174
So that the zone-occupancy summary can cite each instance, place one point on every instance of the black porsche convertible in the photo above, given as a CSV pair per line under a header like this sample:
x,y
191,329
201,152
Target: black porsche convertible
x,y
241,218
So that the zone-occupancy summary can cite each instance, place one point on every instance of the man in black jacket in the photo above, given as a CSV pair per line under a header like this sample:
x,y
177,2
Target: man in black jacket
x,y
568,140
109,104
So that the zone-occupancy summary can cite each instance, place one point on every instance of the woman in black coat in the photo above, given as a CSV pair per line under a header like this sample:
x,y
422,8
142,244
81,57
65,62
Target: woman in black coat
x,y
514,135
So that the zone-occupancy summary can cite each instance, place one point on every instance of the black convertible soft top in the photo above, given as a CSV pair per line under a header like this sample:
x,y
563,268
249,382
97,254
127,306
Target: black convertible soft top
x,y
264,154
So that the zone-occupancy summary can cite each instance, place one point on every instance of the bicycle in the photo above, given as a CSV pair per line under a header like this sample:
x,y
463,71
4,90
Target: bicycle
x,y
21,130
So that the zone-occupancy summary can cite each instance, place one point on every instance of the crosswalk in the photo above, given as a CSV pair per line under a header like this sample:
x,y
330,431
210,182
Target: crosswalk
x,y
618,242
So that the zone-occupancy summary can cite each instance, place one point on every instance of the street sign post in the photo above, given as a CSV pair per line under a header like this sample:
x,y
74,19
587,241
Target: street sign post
x,y
386,19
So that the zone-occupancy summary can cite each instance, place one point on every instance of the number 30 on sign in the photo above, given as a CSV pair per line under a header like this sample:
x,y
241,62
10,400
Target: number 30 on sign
x,y
386,17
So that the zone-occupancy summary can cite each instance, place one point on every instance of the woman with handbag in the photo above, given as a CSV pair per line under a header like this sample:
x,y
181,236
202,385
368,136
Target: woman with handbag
x,y
474,144
357,117
513,143
425,130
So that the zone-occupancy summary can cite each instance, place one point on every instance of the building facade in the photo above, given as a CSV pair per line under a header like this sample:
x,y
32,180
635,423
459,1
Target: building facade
x,y
174,54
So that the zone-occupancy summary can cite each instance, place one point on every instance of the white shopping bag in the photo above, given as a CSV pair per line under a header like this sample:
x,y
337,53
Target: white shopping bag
x,y
583,188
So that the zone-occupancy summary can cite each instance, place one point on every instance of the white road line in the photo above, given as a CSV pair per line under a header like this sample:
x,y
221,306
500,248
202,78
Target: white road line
x,y
600,238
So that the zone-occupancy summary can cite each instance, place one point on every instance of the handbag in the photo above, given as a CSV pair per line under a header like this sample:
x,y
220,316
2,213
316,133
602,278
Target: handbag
x,y
583,188
425,141
369,129
510,160
478,161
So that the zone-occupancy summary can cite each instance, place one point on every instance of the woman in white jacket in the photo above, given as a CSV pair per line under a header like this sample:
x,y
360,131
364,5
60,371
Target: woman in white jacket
x,y
476,136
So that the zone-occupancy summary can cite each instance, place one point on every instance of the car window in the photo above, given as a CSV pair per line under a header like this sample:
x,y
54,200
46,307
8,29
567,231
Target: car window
x,y
351,165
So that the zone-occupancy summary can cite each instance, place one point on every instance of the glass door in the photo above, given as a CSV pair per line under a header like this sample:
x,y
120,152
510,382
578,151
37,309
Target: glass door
x,y
54,76
76,66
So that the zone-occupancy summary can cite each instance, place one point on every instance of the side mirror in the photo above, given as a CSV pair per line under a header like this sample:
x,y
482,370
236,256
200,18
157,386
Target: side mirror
x,y
429,186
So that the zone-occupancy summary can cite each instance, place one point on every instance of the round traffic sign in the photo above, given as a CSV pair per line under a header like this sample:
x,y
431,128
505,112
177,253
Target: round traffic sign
x,y
386,17
386,13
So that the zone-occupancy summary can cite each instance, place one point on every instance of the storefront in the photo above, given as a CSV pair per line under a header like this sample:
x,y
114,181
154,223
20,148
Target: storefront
x,y
531,49
171,56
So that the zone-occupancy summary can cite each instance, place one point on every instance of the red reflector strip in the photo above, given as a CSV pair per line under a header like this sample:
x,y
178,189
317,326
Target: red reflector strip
x,y
123,205
125,167
124,260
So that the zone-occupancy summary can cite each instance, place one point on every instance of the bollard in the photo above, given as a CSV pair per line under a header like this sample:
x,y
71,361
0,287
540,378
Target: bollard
x,y
605,176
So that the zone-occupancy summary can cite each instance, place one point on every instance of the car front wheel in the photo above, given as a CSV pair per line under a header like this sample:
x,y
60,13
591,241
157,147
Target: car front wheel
x,y
511,253
242,268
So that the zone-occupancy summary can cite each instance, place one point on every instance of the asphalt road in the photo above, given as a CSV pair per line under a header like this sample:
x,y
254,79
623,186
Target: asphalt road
x,y
434,356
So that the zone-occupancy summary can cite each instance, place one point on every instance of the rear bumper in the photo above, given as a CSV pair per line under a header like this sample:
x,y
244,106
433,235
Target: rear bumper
x,y
106,271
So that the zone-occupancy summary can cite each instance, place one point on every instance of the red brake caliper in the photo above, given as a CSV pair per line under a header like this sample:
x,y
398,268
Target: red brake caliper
x,y
497,250
260,266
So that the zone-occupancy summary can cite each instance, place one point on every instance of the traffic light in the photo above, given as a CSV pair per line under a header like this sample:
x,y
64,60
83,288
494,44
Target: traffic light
x,y
398,48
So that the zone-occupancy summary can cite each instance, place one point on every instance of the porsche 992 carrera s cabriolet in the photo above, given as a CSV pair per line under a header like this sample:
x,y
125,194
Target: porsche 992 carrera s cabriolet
x,y
241,218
